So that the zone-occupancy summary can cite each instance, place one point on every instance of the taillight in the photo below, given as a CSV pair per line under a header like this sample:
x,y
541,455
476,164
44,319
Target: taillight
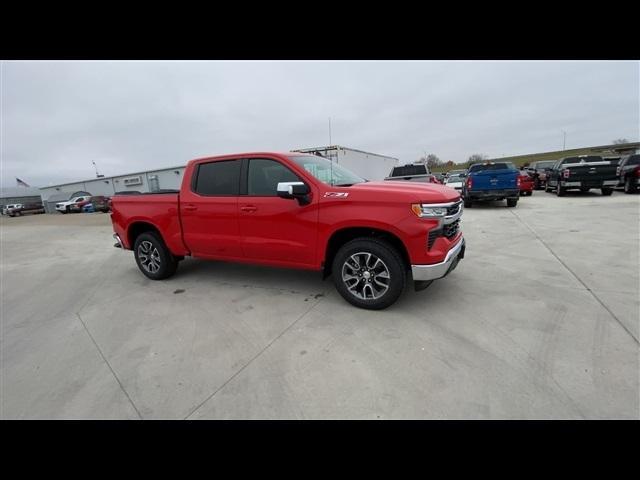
x,y
518,181
566,173
469,182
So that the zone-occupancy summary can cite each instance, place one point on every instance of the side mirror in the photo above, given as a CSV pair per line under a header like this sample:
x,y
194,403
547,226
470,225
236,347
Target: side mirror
x,y
297,190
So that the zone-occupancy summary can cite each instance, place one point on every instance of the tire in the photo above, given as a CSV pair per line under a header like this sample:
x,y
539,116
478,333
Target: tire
x,y
629,187
606,191
468,203
536,184
153,257
546,187
385,276
561,191
512,202
584,189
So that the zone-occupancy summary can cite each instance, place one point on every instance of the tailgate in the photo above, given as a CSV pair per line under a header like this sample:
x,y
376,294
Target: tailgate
x,y
591,172
494,179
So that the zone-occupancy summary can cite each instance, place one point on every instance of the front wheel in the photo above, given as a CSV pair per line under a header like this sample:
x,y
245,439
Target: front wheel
x,y
607,191
153,257
629,187
369,273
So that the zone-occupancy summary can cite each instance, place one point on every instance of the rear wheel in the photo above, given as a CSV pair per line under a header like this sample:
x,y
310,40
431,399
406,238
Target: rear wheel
x,y
584,189
629,187
560,190
153,257
547,188
512,202
606,191
468,203
369,273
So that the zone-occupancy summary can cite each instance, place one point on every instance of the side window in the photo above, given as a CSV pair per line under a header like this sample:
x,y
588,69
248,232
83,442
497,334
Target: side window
x,y
264,175
218,178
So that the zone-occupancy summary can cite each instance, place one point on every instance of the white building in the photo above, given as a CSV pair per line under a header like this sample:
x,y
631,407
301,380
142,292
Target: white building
x,y
366,164
371,166
149,181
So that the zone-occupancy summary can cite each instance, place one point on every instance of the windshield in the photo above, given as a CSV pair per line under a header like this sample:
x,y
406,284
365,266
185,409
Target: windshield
x,y
327,172
545,164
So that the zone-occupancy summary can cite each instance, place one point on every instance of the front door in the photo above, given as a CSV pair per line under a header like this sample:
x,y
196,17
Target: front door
x,y
273,229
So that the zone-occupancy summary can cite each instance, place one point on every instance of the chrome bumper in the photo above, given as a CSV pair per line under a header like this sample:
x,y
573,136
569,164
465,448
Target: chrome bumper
x,y
439,270
119,244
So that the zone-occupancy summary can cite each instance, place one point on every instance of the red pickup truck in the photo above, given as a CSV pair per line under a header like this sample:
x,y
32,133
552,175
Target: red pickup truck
x,y
299,211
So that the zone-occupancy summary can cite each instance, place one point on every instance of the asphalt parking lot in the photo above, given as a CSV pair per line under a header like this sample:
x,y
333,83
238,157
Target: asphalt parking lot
x,y
540,320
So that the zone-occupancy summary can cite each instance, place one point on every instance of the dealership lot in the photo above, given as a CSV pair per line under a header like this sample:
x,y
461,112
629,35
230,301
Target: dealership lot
x,y
540,320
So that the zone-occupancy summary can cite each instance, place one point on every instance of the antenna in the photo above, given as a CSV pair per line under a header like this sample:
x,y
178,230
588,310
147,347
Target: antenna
x,y
330,156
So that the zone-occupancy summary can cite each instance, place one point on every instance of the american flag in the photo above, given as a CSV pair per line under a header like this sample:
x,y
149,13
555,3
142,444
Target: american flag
x,y
21,183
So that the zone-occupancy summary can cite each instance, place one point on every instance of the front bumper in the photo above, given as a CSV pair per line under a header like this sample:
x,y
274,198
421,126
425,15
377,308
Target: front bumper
x,y
439,270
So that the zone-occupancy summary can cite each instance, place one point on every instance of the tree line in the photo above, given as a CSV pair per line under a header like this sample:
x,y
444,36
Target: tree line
x,y
432,161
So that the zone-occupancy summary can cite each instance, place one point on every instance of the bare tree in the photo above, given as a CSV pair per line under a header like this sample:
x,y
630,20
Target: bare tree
x,y
477,157
433,161
619,141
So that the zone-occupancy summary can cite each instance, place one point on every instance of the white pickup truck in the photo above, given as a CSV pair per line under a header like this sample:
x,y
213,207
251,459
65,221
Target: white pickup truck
x,y
63,207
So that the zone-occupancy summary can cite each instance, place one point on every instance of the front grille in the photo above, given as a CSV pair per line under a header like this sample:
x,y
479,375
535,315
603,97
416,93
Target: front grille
x,y
453,209
450,230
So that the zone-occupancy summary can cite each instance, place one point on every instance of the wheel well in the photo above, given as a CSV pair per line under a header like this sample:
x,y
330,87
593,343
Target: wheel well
x,y
138,228
341,237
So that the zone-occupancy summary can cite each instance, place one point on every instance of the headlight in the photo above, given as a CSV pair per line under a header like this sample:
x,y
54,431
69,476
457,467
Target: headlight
x,y
422,210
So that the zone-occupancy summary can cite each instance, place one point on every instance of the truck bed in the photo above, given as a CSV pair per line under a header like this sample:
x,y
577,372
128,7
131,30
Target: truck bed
x,y
161,209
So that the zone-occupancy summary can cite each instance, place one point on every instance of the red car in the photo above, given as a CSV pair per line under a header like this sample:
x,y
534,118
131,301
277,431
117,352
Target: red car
x,y
526,183
299,211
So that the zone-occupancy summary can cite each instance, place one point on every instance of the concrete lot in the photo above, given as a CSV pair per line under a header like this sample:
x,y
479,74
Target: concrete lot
x,y
540,320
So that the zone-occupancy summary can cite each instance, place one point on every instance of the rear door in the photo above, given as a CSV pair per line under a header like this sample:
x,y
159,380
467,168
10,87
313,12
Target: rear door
x,y
273,229
209,210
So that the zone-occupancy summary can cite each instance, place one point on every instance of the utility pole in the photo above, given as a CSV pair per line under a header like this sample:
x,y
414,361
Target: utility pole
x,y
94,164
564,141
329,131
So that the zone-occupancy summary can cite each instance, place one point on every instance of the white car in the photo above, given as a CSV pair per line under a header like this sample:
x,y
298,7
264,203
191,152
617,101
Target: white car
x,y
455,181
63,207
13,206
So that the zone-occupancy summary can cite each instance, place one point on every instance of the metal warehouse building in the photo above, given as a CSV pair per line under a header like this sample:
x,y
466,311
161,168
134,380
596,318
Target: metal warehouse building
x,y
148,181
366,164
22,195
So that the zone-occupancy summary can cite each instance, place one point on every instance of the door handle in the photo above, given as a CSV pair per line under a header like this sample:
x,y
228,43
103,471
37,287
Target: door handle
x,y
190,208
248,208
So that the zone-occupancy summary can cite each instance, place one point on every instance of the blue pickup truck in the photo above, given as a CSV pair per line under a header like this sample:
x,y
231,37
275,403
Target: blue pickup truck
x,y
489,181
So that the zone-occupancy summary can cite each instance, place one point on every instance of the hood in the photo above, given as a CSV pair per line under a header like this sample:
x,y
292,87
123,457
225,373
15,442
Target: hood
x,y
412,191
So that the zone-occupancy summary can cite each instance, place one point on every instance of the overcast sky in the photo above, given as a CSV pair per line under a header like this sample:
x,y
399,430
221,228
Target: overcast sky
x,y
58,117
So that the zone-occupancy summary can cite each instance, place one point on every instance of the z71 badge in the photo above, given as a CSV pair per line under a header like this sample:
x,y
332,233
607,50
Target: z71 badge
x,y
337,194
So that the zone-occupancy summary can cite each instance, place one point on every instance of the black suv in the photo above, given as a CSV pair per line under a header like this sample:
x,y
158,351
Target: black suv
x,y
538,171
628,172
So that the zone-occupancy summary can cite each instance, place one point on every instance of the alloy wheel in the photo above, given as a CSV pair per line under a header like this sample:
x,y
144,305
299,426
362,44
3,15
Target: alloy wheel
x,y
366,276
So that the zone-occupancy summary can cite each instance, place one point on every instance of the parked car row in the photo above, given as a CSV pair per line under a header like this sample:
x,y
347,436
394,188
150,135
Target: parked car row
x,y
19,209
97,203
